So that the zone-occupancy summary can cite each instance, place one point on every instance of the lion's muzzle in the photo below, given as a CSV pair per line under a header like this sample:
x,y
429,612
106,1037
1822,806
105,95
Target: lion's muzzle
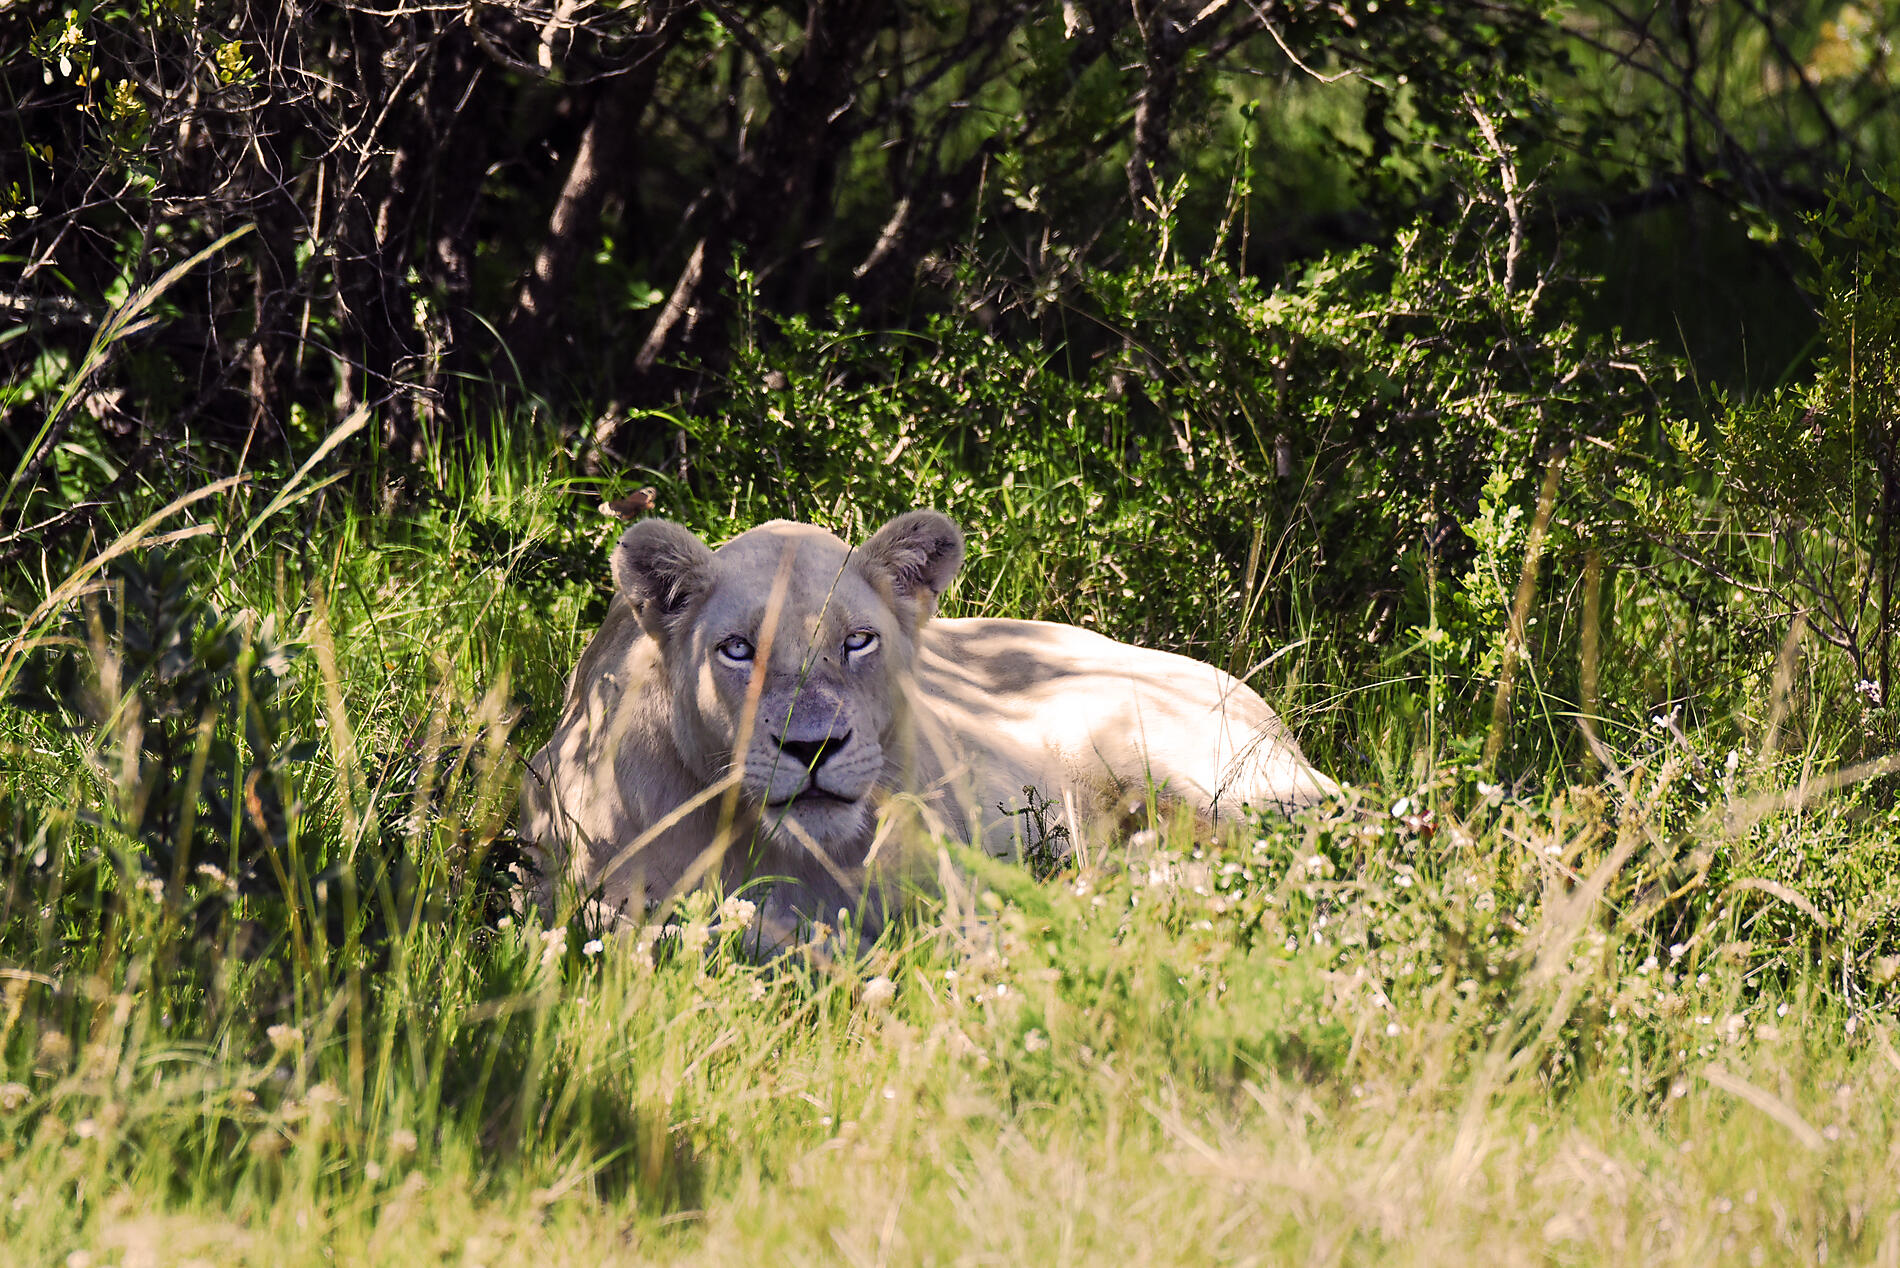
x,y
811,754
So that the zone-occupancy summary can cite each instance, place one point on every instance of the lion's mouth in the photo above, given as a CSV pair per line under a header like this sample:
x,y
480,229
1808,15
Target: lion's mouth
x,y
809,796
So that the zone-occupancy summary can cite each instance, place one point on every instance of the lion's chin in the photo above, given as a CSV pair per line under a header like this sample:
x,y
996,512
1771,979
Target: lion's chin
x,y
827,821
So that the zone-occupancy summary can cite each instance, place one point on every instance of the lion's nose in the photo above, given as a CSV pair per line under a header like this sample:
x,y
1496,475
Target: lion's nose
x,y
811,754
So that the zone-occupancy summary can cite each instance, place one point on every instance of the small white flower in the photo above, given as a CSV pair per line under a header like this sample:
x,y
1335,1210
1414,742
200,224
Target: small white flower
x,y
591,947
553,946
13,1095
402,1142
644,942
1035,1041
694,937
878,994
735,914
961,1045
285,1038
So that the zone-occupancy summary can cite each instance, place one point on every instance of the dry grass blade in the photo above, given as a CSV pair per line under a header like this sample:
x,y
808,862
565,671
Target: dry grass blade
x,y
726,833
1782,694
1768,1103
1590,675
707,794
1746,814
351,793
290,492
138,535
1786,895
1521,611
116,327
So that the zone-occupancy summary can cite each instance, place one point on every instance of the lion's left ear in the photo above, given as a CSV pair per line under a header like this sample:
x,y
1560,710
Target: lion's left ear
x,y
914,557
661,568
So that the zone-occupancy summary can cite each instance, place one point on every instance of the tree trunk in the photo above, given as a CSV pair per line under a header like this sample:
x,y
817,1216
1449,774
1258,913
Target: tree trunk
x,y
770,188
605,153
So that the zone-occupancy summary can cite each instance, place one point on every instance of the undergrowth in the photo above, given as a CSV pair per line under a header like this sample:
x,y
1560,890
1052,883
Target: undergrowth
x,y
1644,1013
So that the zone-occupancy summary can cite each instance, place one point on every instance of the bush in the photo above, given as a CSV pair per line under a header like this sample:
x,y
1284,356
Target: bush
x,y
188,795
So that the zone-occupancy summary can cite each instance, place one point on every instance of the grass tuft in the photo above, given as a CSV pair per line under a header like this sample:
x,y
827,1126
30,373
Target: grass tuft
x,y
1641,1013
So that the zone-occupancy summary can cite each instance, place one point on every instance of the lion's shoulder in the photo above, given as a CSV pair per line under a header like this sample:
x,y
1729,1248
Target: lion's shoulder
x,y
1011,659
612,643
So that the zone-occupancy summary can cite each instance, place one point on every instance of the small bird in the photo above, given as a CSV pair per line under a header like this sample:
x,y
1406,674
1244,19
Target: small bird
x,y
633,505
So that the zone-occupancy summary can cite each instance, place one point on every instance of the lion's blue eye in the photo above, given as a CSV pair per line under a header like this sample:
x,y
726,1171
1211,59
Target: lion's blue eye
x,y
735,649
859,641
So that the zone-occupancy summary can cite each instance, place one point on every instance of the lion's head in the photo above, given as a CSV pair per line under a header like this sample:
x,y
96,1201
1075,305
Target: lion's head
x,y
787,655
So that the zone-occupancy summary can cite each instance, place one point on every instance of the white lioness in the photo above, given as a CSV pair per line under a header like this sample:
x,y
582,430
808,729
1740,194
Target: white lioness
x,y
784,707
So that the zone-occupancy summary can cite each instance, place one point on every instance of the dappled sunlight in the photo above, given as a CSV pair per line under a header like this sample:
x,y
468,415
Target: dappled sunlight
x,y
1368,733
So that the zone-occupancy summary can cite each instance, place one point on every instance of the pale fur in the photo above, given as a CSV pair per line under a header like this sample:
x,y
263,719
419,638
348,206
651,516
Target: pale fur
x,y
949,722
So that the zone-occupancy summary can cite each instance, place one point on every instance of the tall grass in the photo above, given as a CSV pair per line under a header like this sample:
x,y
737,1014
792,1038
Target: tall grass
x,y
1582,1020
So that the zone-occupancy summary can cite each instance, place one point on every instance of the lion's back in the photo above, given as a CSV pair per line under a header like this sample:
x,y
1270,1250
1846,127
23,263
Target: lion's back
x,y
1058,703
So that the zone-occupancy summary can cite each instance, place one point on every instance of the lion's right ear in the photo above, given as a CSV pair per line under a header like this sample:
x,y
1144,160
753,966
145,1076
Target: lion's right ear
x,y
912,559
661,568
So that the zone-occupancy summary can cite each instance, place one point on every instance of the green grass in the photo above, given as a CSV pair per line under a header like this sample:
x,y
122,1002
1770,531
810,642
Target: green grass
x,y
1617,1021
